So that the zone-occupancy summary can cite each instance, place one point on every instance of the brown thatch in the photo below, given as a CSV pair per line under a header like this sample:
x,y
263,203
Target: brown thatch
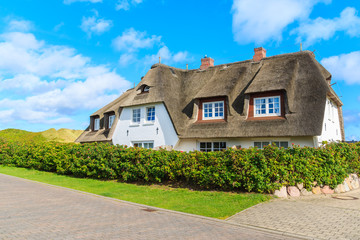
x,y
298,75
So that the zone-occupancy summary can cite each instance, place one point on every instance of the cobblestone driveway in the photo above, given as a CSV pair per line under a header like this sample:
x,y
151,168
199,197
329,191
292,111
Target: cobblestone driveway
x,y
318,217
30,210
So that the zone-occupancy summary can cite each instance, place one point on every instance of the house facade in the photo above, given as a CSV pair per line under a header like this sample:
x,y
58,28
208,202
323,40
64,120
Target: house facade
x,y
284,99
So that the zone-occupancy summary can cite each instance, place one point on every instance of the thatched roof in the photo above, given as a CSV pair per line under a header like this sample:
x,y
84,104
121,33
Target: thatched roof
x,y
298,75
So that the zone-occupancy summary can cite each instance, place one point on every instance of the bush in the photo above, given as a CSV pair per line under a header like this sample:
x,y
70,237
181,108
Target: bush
x,y
243,169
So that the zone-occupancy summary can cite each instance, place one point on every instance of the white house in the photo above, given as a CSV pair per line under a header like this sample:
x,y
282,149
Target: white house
x,y
284,99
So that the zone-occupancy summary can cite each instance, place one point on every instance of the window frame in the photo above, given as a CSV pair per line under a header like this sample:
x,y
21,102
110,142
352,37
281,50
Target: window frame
x,y
213,110
201,112
147,114
267,106
142,144
111,123
251,109
132,116
270,142
96,123
210,145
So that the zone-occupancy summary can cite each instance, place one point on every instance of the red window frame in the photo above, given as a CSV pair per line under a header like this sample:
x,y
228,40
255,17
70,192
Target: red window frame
x,y
266,94
200,112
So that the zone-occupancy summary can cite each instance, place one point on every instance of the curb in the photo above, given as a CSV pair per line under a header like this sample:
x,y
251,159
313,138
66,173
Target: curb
x,y
214,220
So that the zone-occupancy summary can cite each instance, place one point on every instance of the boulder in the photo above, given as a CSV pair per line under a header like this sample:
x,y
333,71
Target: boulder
x,y
305,192
339,189
281,193
293,191
300,186
346,186
348,182
327,190
316,190
354,181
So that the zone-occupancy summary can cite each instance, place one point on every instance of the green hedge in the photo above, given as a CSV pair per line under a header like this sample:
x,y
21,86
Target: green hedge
x,y
244,169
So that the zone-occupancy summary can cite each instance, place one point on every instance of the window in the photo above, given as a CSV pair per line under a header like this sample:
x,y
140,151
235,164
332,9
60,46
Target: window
x,y
136,115
212,146
111,120
213,110
150,114
261,145
267,106
96,124
144,144
146,89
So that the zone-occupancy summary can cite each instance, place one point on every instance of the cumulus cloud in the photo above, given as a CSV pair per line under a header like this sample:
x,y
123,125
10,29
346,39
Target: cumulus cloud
x,y
323,29
167,57
49,84
344,67
72,1
20,25
132,40
126,4
95,25
262,20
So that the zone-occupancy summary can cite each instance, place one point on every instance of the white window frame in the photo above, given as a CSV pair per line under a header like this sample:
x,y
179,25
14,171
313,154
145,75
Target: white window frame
x,y
142,144
132,116
96,123
270,142
111,120
147,112
212,148
213,108
267,114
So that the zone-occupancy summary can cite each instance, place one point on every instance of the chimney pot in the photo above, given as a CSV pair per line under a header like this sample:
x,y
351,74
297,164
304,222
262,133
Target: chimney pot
x,y
260,53
206,62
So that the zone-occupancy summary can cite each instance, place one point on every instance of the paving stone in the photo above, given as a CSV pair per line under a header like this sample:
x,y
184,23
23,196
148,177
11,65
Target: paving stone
x,y
30,210
293,191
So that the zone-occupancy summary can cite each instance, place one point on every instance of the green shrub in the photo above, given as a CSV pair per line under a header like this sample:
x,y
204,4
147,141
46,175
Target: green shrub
x,y
243,169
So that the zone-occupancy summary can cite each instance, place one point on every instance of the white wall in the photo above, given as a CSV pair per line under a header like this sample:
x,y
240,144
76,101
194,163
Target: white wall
x,y
194,144
126,132
331,124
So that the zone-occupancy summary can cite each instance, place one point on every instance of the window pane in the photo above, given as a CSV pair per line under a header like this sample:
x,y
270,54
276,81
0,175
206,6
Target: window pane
x,y
111,120
150,116
257,144
284,144
216,145
277,144
265,144
136,116
205,146
96,124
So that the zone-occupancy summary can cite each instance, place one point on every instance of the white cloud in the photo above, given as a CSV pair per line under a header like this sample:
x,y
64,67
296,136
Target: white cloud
x,y
49,84
127,58
262,20
20,25
132,40
72,1
344,67
323,29
95,25
167,57
125,4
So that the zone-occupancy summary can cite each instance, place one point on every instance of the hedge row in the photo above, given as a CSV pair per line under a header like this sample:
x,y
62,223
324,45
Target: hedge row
x,y
244,169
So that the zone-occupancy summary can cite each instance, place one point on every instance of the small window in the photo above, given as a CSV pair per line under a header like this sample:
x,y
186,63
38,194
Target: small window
x,y
111,120
267,106
150,114
144,144
146,89
96,124
261,145
213,110
212,146
136,115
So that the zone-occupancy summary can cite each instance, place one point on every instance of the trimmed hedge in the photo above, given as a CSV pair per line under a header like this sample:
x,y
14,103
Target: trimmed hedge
x,y
244,169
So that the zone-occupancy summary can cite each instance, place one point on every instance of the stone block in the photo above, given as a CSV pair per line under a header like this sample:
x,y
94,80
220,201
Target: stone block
x,y
281,193
305,192
300,186
327,190
339,189
293,191
316,190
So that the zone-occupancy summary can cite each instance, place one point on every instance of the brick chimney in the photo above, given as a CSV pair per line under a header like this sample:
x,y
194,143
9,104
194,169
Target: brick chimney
x,y
206,62
260,53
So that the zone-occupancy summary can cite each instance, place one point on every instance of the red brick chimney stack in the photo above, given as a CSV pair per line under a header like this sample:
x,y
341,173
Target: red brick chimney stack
x,y
206,62
260,53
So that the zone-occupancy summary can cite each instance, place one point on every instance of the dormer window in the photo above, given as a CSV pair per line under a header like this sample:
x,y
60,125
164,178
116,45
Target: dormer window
x,y
111,120
267,105
146,89
212,109
95,123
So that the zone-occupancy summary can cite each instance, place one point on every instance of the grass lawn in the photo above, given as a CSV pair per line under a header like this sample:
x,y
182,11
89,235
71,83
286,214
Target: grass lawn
x,y
206,203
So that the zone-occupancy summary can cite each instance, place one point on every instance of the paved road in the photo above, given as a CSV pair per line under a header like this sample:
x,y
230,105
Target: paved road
x,y
319,217
30,210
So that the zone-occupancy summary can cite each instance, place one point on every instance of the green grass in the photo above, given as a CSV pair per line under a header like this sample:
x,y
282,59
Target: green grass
x,y
61,135
206,203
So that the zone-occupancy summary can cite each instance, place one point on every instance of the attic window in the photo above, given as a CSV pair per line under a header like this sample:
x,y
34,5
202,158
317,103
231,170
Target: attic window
x,y
213,109
95,123
266,105
146,89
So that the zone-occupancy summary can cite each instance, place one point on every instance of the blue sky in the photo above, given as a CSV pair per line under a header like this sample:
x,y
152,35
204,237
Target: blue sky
x,y
61,60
